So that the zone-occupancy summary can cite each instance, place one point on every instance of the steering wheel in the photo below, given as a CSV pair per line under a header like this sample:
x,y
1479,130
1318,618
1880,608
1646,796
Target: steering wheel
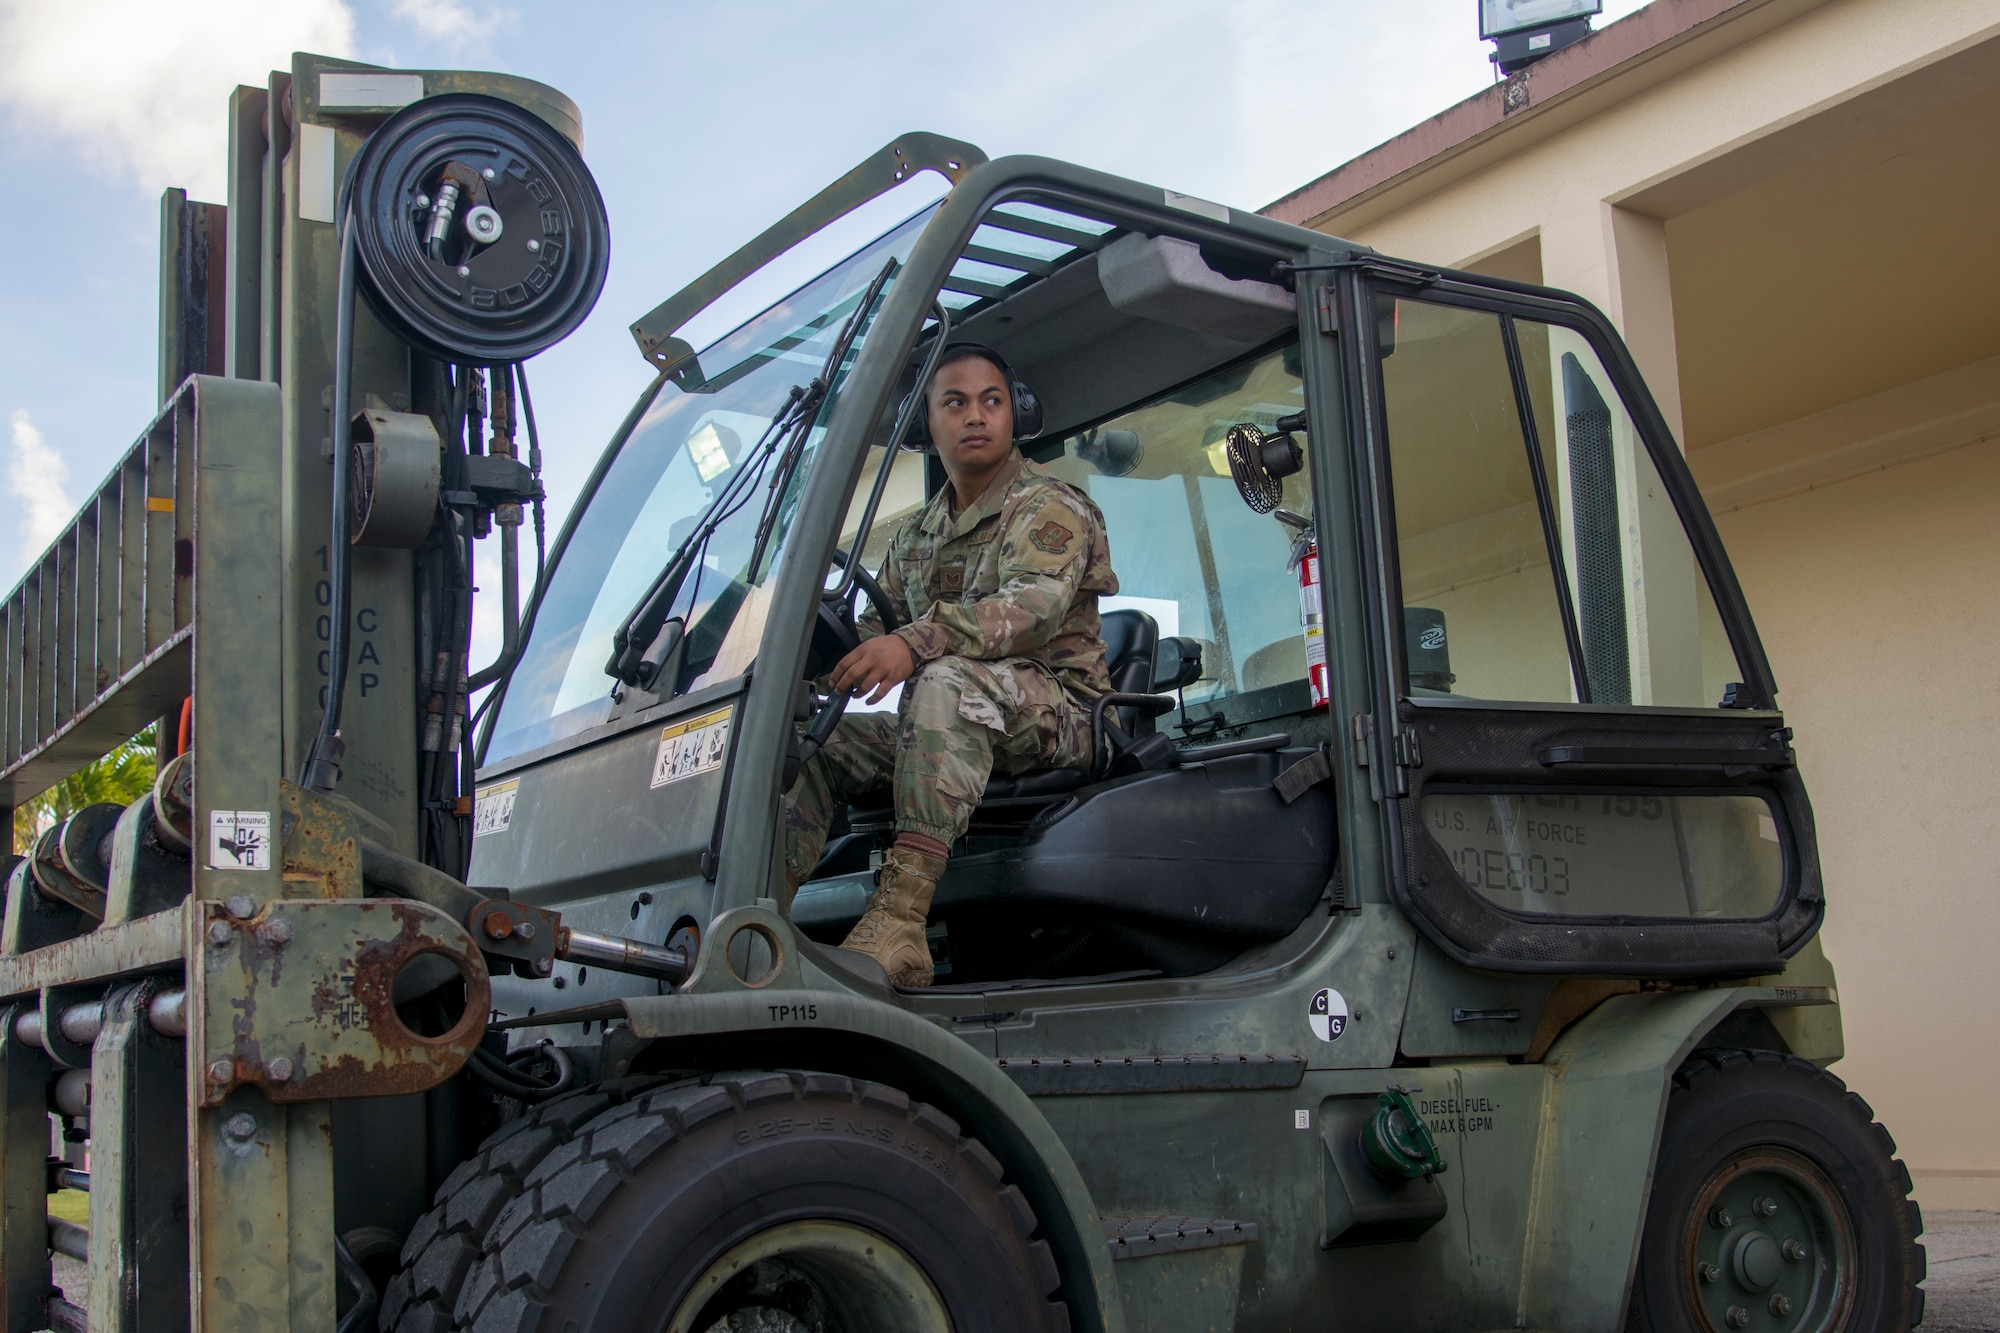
x,y
835,635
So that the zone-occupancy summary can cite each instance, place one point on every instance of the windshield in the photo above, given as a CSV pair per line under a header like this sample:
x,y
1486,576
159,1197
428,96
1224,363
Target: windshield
x,y
682,453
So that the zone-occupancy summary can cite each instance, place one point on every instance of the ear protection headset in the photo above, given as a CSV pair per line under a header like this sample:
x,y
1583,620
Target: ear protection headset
x,y
1027,406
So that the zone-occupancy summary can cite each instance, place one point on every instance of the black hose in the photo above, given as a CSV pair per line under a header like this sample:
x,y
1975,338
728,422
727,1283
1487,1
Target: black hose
x,y
505,1077
534,467
361,1314
321,769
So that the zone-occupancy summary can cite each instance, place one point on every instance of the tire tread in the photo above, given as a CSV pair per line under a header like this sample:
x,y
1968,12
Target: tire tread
x,y
547,1220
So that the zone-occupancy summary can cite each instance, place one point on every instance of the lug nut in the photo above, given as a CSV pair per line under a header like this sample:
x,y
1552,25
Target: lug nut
x,y
1721,1218
242,907
1781,1304
276,934
221,1071
1738,1317
1766,1207
279,1070
488,173
1709,1272
219,933
464,271
1793,1250
241,1127
534,245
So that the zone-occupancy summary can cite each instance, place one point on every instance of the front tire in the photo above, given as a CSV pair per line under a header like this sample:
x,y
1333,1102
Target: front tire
x,y
782,1202
1778,1206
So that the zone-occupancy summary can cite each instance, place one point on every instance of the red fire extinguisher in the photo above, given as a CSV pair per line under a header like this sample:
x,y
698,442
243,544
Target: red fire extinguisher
x,y
1305,558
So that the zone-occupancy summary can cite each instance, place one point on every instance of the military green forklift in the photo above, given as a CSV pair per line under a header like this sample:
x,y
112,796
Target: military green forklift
x,y
1429,944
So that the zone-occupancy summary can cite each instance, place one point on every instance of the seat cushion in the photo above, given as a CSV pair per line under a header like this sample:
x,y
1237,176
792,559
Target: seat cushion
x,y
1041,785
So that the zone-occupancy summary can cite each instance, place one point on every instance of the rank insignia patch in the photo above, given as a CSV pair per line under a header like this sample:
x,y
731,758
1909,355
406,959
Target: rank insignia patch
x,y
1052,537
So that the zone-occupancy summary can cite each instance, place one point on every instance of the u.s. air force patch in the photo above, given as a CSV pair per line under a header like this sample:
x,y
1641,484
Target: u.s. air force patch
x,y
1052,537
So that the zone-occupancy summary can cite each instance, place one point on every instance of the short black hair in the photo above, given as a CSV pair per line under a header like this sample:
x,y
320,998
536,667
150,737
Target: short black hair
x,y
973,352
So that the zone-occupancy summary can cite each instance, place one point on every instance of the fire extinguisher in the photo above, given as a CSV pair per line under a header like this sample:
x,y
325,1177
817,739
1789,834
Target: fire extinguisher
x,y
1305,559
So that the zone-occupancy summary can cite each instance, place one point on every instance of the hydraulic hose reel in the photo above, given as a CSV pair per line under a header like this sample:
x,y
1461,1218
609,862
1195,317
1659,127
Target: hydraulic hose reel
x,y
479,236
480,231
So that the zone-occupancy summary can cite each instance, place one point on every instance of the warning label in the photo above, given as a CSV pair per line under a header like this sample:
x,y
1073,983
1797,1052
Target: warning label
x,y
239,839
689,749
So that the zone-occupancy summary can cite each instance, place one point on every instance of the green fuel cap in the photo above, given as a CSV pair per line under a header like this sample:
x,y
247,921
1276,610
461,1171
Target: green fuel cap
x,y
1397,1143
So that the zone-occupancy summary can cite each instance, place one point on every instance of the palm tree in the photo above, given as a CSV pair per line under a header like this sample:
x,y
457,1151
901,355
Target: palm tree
x,y
122,776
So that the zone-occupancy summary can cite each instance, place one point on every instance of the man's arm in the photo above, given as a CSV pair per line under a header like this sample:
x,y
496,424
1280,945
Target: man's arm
x,y
1041,568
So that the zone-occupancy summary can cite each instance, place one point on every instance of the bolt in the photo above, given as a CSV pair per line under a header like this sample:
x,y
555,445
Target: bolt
x,y
1765,1206
221,1071
276,934
219,933
1793,1250
1781,1304
498,926
544,966
241,1127
534,245
1720,1218
242,907
464,272
1709,1272
525,929
488,173
1738,1317
423,201
1392,953
279,1070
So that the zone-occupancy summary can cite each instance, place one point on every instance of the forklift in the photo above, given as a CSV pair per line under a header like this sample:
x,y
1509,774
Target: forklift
x,y
1429,942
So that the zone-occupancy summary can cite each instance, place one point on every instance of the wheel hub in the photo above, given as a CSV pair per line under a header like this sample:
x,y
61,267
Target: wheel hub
x,y
812,1277
1770,1246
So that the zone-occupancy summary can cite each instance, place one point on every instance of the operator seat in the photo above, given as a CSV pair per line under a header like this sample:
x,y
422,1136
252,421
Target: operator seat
x,y
1131,642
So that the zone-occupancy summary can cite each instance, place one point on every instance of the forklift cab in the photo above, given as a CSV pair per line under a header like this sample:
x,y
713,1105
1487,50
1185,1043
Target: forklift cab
x,y
1539,710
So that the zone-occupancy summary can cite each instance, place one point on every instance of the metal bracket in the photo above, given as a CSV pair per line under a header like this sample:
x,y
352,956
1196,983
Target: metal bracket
x,y
299,997
522,935
882,172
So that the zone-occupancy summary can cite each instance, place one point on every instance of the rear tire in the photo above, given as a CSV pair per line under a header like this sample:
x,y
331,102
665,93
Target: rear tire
x,y
1778,1206
787,1202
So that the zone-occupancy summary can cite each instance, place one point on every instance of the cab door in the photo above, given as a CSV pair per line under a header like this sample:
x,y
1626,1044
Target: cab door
x,y
1581,764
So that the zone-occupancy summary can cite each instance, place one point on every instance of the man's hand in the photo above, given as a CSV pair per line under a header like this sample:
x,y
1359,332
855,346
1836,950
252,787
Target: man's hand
x,y
879,664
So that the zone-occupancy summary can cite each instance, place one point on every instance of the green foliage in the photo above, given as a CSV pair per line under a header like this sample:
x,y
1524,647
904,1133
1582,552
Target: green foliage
x,y
122,776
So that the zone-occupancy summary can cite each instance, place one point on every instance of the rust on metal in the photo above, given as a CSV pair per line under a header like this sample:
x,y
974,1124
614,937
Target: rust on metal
x,y
299,998
102,954
320,839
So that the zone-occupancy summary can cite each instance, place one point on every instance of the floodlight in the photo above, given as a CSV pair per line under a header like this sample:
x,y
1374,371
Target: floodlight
x,y
1497,18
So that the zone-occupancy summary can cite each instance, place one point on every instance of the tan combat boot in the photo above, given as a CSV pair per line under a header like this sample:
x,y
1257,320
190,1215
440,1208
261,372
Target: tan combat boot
x,y
891,931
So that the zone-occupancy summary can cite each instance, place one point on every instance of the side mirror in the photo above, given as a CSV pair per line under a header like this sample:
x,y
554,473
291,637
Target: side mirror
x,y
1176,664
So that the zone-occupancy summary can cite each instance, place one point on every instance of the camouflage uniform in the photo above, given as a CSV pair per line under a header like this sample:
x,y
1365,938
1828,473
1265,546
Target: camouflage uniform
x,y
999,608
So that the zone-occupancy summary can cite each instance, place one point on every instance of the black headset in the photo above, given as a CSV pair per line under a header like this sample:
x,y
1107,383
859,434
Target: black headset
x,y
1027,405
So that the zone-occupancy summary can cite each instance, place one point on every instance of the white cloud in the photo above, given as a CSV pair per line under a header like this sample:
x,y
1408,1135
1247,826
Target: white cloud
x,y
39,479
140,87
450,20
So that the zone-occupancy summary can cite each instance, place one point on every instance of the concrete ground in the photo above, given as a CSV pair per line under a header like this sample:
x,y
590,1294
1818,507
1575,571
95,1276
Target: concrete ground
x,y
1964,1285
1963,1288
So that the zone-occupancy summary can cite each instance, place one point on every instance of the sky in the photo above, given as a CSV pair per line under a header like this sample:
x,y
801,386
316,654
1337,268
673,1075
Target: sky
x,y
704,122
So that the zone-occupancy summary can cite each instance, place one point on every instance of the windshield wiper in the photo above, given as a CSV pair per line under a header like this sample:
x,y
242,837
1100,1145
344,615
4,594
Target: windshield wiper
x,y
644,641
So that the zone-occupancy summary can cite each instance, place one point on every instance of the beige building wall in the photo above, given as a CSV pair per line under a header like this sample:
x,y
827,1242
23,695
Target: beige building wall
x,y
1789,207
